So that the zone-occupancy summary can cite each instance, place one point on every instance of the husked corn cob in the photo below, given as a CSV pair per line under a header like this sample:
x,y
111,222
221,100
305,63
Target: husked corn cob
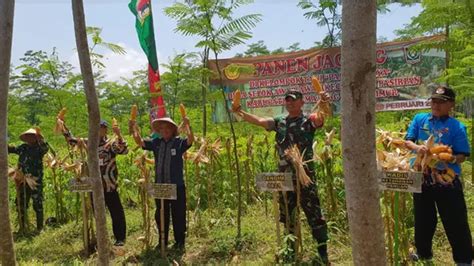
x,y
316,85
182,110
439,149
427,158
236,100
444,156
59,128
133,112
323,105
62,113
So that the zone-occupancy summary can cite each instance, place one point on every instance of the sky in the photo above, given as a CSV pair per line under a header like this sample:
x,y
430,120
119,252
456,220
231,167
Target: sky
x,y
44,24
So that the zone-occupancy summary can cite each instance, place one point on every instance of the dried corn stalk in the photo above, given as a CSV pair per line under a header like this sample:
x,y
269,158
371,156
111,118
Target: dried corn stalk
x,y
390,140
200,156
20,178
395,157
296,159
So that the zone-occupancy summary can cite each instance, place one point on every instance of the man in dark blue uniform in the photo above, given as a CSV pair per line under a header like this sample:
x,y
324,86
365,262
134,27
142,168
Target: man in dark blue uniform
x,y
437,193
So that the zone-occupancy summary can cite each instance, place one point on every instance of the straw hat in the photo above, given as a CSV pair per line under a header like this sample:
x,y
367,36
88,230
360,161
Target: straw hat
x,y
29,134
156,122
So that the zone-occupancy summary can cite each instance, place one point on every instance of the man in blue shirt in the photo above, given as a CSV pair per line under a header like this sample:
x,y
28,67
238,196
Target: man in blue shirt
x,y
168,150
438,194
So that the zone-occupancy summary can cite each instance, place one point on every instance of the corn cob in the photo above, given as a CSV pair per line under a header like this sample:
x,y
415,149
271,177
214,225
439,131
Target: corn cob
x,y
447,178
444,156
114,122
182,110
316,85
439,149
133,112
428,156
59,128
323,105
38,130
62,113
236,100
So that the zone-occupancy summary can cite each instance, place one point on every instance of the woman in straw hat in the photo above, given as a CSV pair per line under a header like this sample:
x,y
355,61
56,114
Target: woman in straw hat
x,y
168,150
30,163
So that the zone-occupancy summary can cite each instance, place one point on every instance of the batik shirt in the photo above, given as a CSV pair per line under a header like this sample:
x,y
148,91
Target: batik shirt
x,y
108,150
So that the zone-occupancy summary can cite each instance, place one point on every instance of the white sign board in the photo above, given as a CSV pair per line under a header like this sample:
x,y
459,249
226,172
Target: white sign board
x,y
163,191
83,184
275,181
404,181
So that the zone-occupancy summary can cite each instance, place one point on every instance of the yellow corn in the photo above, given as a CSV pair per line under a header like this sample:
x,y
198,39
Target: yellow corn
x,y
62,113
444,156
316,85
114,122
439,149
182,110
133,112
236,100
447,178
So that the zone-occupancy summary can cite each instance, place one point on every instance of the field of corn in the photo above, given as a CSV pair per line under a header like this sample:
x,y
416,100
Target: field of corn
x,y
212,199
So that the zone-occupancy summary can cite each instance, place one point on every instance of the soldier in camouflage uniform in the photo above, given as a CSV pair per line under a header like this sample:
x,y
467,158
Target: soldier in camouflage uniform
x,y
30,162
297,128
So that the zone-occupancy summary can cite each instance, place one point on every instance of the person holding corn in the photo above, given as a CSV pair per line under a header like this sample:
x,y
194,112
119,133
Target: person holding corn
x,y
440,194
297,128
168,149
108,150
30,162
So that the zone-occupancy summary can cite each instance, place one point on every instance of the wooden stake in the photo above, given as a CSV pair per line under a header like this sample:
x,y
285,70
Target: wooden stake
x,y
299,242
277,218
162,227
85,224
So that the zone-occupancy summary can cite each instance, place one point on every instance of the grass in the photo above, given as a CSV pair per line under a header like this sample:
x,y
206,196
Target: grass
x,y
210,240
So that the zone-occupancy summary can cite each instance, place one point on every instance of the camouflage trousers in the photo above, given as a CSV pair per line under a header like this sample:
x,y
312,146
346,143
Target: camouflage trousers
x,y
25,193
309,202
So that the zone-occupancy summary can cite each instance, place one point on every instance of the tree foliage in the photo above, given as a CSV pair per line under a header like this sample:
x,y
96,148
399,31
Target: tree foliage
x,y
454,20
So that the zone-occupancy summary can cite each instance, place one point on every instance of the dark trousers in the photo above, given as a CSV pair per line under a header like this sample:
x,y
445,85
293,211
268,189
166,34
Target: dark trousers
x,y
114,205
451,206
24,196
178,215
311,206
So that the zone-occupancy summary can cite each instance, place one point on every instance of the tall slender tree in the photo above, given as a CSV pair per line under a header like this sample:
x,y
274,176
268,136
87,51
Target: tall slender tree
x,y
202,18
358,131
7,253
212,21
93,138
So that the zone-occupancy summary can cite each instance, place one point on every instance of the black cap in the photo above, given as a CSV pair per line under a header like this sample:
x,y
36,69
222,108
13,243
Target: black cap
x,y
104,123
443,93
294,94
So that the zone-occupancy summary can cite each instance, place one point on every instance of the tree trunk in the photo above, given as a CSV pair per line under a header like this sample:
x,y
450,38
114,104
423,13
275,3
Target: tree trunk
x,y
204,81
358,131
7,252
236,156
93,138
